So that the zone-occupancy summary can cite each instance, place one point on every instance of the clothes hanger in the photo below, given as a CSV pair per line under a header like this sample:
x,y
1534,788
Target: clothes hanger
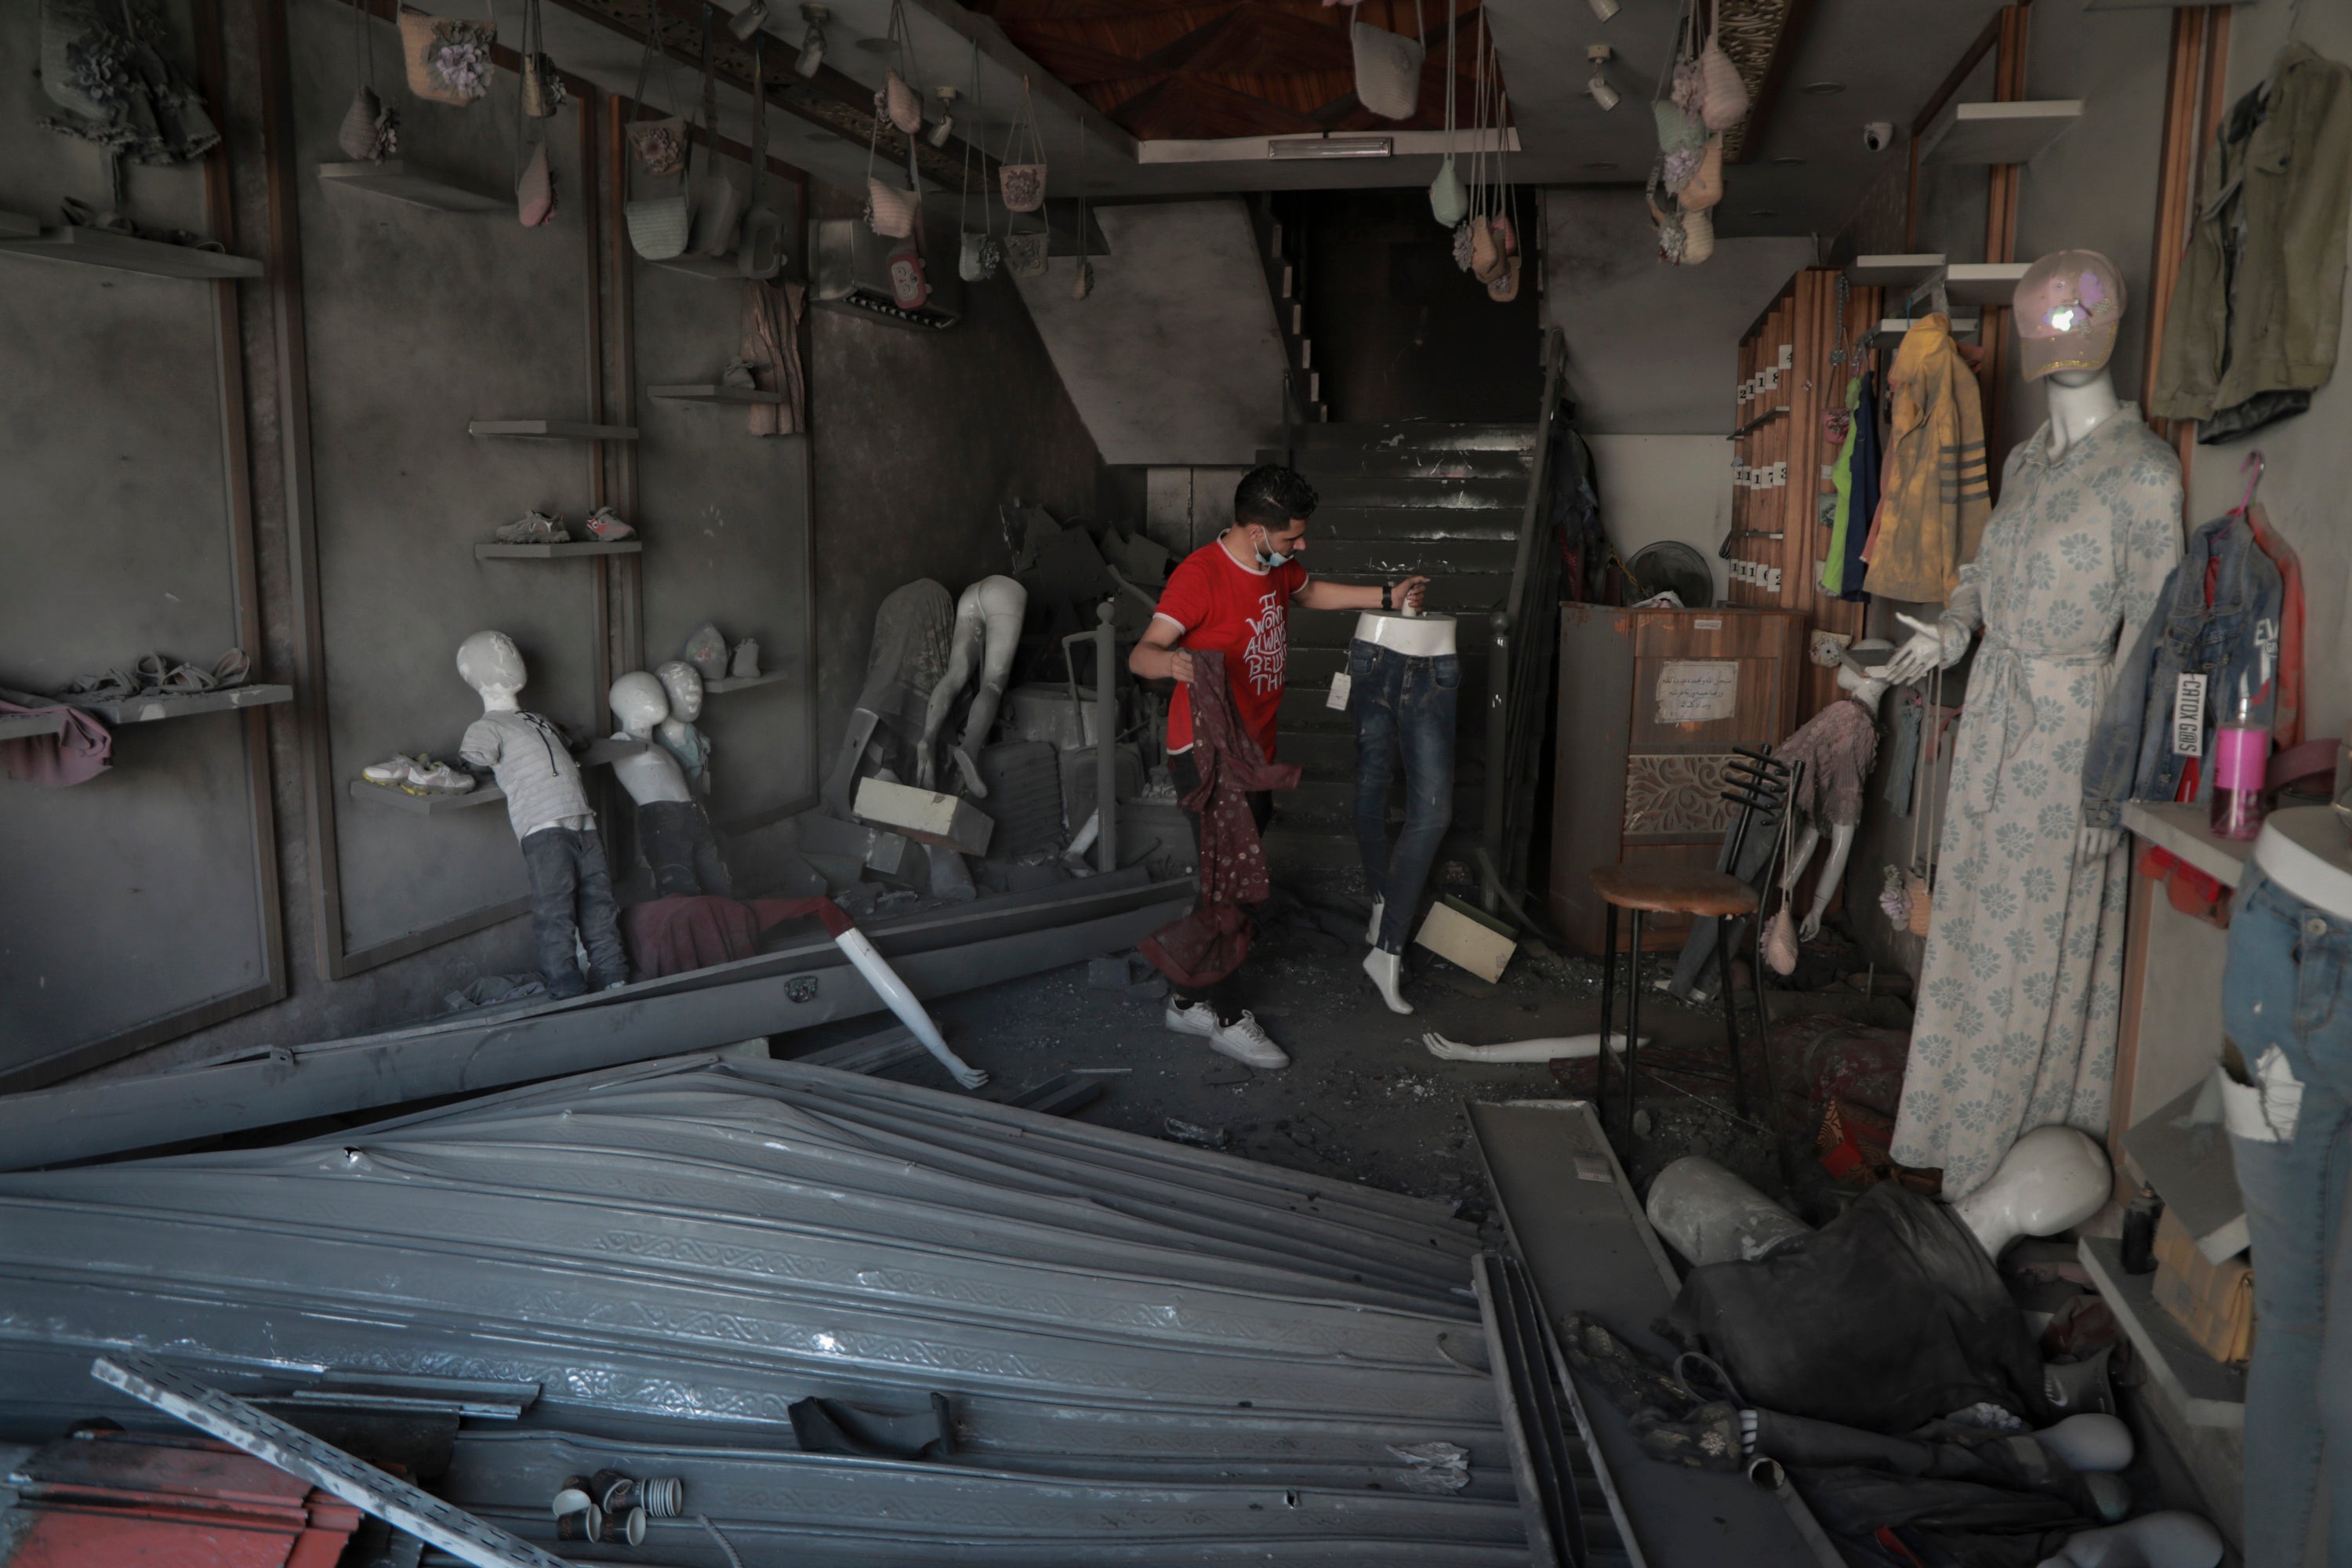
x,y
2252,466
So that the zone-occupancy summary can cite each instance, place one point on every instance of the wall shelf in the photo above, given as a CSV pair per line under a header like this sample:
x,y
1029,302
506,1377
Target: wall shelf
x,y
709,268
712,392
149,709
1893,271
2182,827
599,752
397,180
1998,132
1894,328
128,253
17,225
558,552
1983,282
23,726
551,430
2204,1390
425,805
740,682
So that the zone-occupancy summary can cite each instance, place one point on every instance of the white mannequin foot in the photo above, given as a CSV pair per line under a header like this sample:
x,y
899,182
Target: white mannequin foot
x,y
972,784
2167,1540
1387,969
1372,931
2091,1442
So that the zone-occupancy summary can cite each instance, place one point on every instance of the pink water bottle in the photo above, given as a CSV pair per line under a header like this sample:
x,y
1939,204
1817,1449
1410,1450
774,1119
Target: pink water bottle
x,y
2242,750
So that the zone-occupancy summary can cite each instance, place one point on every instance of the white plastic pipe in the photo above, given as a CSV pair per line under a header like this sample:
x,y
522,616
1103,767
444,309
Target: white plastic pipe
x,y
893,990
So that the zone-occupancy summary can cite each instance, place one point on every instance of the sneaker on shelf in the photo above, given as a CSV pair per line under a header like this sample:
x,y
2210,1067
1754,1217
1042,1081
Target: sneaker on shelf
x,y
535,528
430,777
605,525
396,772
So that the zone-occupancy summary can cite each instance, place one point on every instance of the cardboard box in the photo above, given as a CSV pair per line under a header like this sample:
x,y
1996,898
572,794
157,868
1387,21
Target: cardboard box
x,y
2214,1301
1469,937
924,815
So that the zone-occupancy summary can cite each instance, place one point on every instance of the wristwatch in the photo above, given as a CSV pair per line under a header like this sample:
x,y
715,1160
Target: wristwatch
x,y
1384,598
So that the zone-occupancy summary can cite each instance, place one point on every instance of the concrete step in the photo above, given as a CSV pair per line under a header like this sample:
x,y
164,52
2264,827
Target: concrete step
x,y
1479,463
1386,560
1392,491
1422,522
1328,752
1417,435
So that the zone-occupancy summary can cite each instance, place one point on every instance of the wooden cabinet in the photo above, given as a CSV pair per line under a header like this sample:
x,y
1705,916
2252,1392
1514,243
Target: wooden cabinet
x,y
1651,704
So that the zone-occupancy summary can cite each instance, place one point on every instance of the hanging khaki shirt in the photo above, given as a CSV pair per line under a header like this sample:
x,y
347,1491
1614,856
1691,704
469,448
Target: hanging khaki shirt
x,y
1933,497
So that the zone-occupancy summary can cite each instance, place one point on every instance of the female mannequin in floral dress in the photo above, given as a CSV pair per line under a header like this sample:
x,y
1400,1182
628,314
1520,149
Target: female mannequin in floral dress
x,y
2022,985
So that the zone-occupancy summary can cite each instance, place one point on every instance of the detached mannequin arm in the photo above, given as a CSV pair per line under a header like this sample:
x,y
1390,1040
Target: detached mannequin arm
x,y
1832,878
1553,1049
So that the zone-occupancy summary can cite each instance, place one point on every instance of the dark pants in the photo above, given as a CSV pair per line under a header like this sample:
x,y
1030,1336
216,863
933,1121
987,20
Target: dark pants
x,y
571,893
678,844
1403,708
1225,995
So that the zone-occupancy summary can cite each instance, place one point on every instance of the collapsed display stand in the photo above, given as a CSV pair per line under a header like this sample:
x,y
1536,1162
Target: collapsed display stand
x,y
1588,1248
807,982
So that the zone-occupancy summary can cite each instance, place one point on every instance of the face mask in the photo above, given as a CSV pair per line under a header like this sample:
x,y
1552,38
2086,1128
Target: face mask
x,y
1267,560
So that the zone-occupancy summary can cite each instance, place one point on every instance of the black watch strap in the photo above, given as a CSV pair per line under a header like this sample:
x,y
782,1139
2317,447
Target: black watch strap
x,y
1384,598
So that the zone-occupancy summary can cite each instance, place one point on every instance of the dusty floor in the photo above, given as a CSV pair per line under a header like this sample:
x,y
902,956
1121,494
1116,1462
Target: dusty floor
x,y
1363,1100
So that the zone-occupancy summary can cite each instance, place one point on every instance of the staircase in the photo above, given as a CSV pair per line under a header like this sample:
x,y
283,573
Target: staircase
x,y
1441,499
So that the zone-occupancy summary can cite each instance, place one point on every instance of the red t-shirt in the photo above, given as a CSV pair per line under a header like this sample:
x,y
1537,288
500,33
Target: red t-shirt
x,y
1243,614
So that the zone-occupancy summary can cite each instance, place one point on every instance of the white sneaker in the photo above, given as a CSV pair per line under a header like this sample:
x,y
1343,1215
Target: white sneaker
x,y
440,778
1244,1039
394,770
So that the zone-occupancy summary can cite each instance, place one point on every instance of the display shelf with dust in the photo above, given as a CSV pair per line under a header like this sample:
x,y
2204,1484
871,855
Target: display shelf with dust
x,y
557,551
25,726
150,708
1998,132
597,754
551,430
129,253
712,392
741,682
397,180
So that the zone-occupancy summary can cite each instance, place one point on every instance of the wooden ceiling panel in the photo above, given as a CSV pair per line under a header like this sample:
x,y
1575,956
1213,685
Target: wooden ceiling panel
x,y
1221,69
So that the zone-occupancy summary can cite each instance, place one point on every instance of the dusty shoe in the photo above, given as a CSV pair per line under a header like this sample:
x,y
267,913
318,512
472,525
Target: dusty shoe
x,y
535,528
1191,1017
605,525
1245,1040
394,770
429,777
1710,1439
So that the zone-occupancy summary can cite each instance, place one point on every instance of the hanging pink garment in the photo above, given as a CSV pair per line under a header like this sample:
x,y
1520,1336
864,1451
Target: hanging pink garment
x,y
74,754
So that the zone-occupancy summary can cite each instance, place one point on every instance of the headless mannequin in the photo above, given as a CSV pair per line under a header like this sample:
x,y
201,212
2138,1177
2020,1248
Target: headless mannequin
x,y
2080,401
673,832
681,686
1865,689
987,634
1415,636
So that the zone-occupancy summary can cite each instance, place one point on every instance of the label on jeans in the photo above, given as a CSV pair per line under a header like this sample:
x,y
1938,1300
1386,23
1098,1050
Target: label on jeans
x,y
2188,717
1341,684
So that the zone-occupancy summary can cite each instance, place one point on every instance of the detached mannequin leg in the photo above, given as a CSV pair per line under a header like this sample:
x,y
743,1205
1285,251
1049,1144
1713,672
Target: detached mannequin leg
x,y
987,634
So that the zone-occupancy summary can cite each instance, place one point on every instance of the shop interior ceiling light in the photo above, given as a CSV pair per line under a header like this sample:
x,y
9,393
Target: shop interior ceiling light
x,y
748,20
1331,147
811,53
1599,87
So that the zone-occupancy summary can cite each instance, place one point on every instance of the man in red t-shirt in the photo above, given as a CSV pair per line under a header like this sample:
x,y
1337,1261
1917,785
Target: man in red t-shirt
x,y
1234,596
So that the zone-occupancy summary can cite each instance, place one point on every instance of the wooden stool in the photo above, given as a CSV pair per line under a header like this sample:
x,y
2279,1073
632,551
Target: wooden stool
x,y
1680,891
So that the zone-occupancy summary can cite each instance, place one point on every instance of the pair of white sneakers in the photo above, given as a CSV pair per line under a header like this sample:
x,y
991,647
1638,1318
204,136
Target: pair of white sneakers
x,y
1244,1039
419,775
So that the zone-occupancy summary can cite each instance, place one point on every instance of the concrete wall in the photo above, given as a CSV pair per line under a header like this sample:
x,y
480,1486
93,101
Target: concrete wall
x,y
1653,350
1657,488
382,330
139,895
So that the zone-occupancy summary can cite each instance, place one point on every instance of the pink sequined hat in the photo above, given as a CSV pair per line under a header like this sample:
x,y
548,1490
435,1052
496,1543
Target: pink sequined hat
x,y
2068,306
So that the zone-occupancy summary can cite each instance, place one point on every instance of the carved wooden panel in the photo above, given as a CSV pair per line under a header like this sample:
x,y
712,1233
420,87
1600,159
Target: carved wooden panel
x,y
1676,795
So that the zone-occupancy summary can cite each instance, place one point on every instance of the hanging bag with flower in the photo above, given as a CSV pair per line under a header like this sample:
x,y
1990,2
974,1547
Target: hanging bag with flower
x,y
448,61
1023,186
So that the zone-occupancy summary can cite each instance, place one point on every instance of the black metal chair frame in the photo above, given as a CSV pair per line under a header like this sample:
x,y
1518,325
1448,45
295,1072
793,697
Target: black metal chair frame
x,y
1763,787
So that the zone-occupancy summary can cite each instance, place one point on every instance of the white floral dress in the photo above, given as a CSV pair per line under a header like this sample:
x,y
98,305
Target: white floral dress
x,y
2022,982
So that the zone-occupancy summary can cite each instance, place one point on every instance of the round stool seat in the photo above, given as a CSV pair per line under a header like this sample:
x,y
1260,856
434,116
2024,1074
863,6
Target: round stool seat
x,y
1674,890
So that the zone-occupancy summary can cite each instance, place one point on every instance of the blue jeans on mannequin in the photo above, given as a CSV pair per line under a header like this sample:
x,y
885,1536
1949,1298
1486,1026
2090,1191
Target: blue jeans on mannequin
x,y
2288,989
1404,707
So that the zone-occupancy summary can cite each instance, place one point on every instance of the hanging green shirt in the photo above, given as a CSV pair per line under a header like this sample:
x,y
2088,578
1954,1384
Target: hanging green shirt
x,y
1834,569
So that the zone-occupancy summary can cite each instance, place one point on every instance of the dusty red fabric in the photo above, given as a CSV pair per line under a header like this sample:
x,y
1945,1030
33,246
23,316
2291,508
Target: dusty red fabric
x,y
74,754
1210,943
671,936
2286,712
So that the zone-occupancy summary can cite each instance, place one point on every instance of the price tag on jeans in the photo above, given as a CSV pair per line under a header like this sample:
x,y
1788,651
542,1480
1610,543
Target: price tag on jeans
x,y
1340,685
2188,717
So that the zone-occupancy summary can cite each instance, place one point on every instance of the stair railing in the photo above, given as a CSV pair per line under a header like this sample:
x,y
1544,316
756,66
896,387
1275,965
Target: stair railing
x,y
1501,870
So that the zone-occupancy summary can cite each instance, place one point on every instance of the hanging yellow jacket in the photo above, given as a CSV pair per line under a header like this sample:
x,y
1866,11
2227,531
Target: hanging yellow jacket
x,y
1933,497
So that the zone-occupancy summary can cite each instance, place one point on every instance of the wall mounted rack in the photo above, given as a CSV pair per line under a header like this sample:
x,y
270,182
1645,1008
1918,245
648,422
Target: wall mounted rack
x,y
128,253
551,430
551,552
151,708
1998,132
712,392
741,682
398,180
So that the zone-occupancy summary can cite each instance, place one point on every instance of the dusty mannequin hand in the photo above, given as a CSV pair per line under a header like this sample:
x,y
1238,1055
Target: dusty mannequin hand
x,y
1930,648
2091,843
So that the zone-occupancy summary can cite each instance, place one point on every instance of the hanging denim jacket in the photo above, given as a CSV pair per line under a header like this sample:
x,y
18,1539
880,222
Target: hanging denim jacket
x,y
2233,637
